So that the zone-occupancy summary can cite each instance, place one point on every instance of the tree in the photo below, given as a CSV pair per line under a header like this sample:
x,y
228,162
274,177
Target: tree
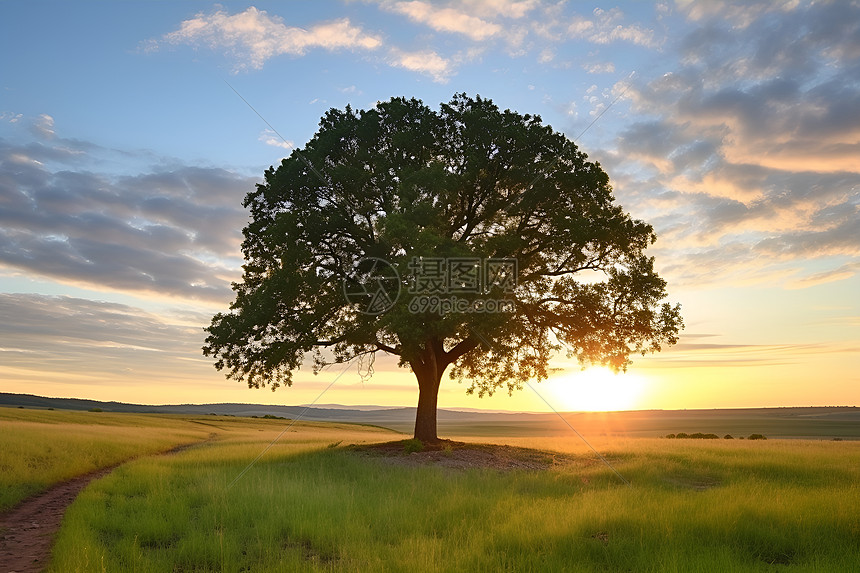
x,y
380,197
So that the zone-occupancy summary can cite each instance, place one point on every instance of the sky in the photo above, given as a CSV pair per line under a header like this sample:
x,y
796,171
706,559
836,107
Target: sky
x,y
126,149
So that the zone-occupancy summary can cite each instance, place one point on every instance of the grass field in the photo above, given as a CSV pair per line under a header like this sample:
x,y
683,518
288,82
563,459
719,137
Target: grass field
x,y
42,447
312,504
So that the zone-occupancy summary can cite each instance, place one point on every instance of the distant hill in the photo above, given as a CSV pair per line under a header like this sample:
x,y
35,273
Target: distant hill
x,y
802,422
365,414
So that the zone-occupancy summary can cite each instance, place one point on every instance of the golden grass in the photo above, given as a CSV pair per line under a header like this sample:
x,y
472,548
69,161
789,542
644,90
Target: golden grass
x,y
39,448
694,505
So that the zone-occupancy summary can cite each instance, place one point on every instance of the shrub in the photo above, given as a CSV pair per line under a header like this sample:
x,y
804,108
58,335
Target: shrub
x,y
413,445
757,437
670,436
728,437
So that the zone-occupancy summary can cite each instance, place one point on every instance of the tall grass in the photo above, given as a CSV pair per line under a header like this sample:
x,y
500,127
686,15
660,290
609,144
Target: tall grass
x,y
41,447
725,506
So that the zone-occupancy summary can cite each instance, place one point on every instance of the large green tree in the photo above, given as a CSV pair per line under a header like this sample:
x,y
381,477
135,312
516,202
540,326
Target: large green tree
x,y
383,199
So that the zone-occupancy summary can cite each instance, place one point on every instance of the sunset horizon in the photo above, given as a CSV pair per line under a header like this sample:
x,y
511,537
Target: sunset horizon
x,y
130,136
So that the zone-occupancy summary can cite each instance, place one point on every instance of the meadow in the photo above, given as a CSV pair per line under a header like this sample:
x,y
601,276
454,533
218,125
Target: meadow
x,y
312,503
39,448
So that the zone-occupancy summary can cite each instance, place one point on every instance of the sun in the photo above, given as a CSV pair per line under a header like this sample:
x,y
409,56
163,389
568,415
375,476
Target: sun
x,y
596,389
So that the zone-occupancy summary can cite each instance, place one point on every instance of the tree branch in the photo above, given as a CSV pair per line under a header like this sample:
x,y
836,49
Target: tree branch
x,y
389,349
461,348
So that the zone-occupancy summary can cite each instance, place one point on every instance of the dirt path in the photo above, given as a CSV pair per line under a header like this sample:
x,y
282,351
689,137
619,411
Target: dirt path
x,y
27,530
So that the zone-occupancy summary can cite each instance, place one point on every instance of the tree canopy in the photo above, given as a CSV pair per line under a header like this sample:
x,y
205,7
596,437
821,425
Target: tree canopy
x,y
496,206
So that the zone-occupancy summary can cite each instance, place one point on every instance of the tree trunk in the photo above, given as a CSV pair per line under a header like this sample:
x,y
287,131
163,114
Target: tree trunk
x,y
429,372
425,417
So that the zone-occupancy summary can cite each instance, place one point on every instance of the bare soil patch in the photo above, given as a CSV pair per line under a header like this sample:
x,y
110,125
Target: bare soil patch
x,y
462,456
27,530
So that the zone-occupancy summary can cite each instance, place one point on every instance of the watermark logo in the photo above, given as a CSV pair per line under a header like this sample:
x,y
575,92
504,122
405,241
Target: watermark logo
x,y
438,285
373,285
445,285
453,304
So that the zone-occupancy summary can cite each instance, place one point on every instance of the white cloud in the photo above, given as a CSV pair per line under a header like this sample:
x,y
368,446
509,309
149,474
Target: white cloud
x,y
546,56
253,36
580,26
269,137
599,68
483,21
633,34
43,127
514,9
604,28
425,62
443,19
10,117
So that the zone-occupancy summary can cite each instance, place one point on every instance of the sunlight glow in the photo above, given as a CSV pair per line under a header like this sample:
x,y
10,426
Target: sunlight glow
x,y
596,389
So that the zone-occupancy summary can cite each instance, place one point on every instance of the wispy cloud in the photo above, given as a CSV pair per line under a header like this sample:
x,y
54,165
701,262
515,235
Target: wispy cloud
x,y
606,27
839,273
425,61
445,19
692,354
165,231
43,127
11,117
252,37
59,336
513,9
599,68
269,137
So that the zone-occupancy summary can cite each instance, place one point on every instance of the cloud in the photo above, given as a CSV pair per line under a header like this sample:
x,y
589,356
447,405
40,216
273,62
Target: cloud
x,y
746,152
43,127
693,355
252,37
839,237
599,68
546,56
513,9
269,137
166,231
425,62
839,273
59,335
604,28
444,19
11,117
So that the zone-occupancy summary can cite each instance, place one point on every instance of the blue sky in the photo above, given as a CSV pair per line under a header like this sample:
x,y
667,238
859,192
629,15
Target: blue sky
x,y
734,128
